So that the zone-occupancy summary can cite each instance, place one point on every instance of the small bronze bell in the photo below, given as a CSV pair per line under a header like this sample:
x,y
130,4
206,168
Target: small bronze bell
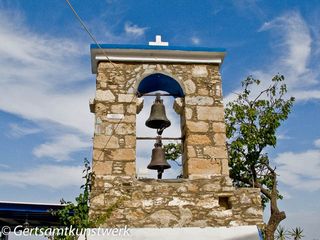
x,y
158,161
158,119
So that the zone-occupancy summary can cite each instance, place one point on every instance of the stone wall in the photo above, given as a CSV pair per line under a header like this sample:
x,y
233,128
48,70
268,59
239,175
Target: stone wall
x,y
201,111
176,203
205,197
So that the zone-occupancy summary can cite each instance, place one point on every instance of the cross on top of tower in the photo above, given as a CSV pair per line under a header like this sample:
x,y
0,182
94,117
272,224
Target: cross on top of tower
x,y
158,42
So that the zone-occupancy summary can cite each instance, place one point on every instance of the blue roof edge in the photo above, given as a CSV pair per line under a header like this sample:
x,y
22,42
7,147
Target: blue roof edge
x,y
147,47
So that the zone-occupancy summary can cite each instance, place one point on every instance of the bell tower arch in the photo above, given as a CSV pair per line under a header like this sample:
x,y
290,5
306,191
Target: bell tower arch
x,y
205,196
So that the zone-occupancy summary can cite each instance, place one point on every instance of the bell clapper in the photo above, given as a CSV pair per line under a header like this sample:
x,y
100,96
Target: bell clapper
x,y
160,131
160,171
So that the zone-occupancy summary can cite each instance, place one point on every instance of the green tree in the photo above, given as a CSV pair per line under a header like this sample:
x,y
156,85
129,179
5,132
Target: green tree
x,y
172,152
296,233
252,121
77,214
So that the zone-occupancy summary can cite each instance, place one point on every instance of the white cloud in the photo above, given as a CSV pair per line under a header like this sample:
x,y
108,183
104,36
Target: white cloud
x,y
18,131
317,143
292,44
283,137
295,37
4,166
51,176
300,170
38,77
195,40
44,79
61,147
134,30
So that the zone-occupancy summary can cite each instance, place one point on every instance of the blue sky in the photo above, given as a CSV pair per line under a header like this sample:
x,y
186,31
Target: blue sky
x,y
46,82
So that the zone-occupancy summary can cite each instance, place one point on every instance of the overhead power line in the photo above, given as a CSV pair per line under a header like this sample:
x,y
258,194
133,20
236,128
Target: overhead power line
x,y
87,30
105,53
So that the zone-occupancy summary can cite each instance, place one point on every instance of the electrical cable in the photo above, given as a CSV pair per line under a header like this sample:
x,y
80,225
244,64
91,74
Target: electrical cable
x,y
105,53
87,30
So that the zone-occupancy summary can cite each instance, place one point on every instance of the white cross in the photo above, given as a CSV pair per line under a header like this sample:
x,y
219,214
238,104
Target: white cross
x,y
158,42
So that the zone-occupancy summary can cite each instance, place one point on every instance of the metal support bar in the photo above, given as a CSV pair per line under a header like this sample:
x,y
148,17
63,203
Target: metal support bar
x,y
162,138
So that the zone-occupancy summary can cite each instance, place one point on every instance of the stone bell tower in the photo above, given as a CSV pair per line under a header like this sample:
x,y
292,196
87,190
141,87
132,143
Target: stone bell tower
x,y
204,197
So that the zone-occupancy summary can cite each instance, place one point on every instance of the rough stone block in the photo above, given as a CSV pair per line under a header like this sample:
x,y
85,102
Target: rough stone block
x,y
103,141
98,200
131,109
197,126
190,87
109,129
198,139
118,108
189,113
203,166
178,105
221,214
125,129
129,119
210,113
126,154
224,166
208,203
211,187
130,141
199,71
203,91
164,218
126,98
135,214
245,199
198,100
215,152
179,202
102,167
219,127
105,95
191,152
139,104
130,169
219,139
254,211
99,108
98,155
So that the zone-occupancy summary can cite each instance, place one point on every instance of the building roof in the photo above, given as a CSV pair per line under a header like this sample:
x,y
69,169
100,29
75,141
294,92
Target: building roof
x,y
13,214
155,54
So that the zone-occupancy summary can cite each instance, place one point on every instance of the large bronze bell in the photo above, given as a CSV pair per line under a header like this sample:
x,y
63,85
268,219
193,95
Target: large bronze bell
x,y
158,161
158,118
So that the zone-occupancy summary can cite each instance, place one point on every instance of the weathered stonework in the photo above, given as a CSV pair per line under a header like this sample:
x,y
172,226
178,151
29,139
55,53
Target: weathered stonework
x,y
205,196
176,203
202,117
